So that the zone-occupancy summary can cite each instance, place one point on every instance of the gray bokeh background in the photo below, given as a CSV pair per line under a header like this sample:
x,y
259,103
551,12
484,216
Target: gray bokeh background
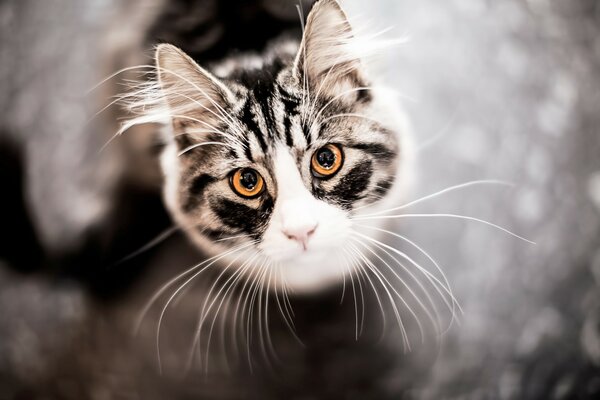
x,y
506,90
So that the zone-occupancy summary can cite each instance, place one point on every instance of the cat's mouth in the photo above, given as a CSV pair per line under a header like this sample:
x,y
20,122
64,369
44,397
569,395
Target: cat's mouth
x,y
313,270
298,253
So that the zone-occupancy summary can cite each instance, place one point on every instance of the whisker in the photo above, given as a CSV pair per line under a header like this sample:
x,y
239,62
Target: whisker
x,y
433,261
227,285
289,322
163,288
164,309
438,193
250,280
232,237
204,311
405,340
434,320
465,217
250,314
267,325
438,284
152,243
379,302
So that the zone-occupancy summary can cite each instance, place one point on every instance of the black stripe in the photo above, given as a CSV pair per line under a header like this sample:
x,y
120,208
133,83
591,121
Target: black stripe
x,y
287,126
248,120
263,91
239,216
290,105
196,190
306,131
350,188
383,187
232,153
216,234
378,150
247,150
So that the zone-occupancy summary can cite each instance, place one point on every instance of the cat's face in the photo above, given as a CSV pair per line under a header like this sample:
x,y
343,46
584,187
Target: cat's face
x,y
277,157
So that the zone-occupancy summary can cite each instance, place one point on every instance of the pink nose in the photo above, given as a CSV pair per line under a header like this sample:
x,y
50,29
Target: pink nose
x,y
300,233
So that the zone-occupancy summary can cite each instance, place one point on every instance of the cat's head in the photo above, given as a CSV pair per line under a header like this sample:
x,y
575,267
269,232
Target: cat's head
x,y
277,153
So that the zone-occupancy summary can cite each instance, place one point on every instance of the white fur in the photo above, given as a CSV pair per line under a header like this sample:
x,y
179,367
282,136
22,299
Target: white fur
x,y
317,265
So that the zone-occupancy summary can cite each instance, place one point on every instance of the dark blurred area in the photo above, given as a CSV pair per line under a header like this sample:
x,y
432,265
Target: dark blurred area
x,y
495,90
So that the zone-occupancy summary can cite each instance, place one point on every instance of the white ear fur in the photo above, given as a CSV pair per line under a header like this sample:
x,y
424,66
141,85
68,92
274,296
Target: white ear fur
x,y
194,95
325,58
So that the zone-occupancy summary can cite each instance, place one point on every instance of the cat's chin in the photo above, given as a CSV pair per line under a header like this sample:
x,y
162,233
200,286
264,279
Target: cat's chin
x,y
312,271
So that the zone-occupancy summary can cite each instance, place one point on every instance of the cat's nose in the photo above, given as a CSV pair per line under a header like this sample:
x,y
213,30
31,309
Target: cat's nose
x,y
301,232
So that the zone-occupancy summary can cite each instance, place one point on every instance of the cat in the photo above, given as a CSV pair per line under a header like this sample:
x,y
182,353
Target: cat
x,y
274,153
269,161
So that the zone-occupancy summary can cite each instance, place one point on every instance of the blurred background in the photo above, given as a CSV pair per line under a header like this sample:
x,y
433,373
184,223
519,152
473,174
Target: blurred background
x,y
495,90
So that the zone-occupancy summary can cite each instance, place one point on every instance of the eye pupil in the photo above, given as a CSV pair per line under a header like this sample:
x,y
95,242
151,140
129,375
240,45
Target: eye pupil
x,y
326,161
326,158
248,179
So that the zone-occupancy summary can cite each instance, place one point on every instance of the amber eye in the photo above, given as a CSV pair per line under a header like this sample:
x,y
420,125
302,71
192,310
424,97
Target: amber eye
x,y
327,161
247,183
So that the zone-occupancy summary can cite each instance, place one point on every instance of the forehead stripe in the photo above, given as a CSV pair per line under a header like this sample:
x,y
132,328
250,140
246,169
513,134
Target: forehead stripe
x,y
248,119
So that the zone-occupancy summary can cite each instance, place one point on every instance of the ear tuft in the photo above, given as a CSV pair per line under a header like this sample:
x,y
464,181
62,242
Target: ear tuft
x,y
325,58
194,95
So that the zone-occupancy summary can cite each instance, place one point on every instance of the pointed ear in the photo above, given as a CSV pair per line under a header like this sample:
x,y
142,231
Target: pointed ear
x,y
325,59
195,97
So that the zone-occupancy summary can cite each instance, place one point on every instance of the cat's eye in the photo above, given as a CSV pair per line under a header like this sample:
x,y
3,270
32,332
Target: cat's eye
x,y
247,182
327,161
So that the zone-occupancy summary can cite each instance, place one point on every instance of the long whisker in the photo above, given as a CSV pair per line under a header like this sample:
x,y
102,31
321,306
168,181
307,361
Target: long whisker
x,y
377,274
433,261
249,280
250,314
205,309
465,217
379,302
439,193
287,318
152,243
432,278
433,319
267,325
360,270
229,284
232,237
164,309
355,301
164,287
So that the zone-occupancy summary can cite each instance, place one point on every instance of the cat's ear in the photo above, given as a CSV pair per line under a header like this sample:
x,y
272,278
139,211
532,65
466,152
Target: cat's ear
x,y
195,97
326,59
